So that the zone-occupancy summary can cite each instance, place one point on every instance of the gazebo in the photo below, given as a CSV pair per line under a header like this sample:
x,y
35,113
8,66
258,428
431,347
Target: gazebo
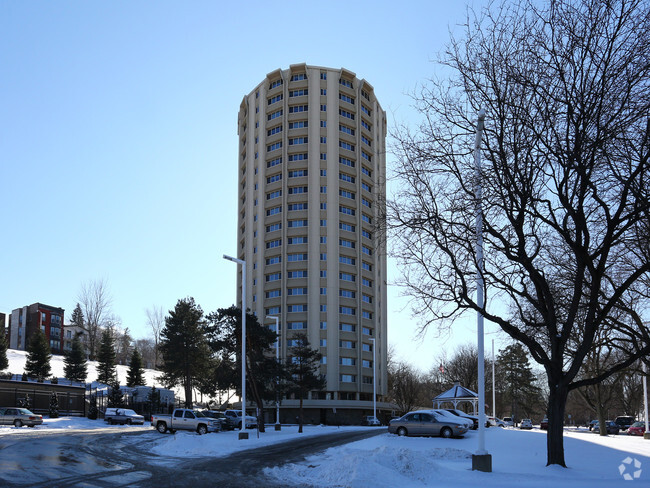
x,y
455,395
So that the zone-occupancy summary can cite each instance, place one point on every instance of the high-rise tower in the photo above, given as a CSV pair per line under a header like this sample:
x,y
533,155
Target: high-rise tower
x,y
312,171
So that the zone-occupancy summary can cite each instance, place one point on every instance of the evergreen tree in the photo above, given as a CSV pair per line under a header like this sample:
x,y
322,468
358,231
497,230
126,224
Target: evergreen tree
x,y
38,357
135,375
4,362
303,367
184,347
518,381
75,366
153,399
77,318
106,369
115,397
92,408
54,406
25,402
262,370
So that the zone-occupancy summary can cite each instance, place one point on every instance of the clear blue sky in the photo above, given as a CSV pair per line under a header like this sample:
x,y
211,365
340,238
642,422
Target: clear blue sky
x,y
118,144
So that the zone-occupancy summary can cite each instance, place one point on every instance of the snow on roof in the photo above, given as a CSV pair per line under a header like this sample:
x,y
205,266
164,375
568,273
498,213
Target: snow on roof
x,y
456,392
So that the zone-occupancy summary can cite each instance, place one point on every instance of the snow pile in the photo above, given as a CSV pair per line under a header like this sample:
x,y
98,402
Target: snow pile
x,y
518,460
190,444
385,466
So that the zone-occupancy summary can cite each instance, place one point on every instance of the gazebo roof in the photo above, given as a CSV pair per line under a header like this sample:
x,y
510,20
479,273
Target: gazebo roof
x,y
456,392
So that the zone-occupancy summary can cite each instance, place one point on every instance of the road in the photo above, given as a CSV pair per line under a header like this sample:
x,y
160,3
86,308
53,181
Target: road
x,y
106,460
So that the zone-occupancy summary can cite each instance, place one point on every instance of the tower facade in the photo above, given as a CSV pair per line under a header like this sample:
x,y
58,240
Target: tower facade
x,y
312,171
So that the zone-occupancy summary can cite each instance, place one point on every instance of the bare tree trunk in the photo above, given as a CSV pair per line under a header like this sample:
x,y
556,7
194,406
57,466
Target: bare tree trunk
x,y
95,302
156,321
188,390
555,435
250,377
300,417
600,410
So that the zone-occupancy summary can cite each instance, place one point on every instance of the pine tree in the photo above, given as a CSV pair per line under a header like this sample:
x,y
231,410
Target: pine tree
x,y
135,375
154,400
92,408
4,362
38,357
75,366
25,402
106,369
518,381
184,347
115,397
54,406
77,318
303,366
262,370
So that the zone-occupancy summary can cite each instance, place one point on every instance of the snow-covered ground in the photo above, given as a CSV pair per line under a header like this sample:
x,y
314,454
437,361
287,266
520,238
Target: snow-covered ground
x,y
18,358
518,457
518,460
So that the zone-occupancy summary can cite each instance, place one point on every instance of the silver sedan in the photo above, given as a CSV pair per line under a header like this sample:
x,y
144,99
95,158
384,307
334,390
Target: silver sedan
x,y
426,423
19,416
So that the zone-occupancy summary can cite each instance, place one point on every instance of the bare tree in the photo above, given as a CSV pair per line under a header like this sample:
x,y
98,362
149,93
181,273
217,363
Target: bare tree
x,y
123,345
95,301
461,367
404,386
565,195
146,347
156,321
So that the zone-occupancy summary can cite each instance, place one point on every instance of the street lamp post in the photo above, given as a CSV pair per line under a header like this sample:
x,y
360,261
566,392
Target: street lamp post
x,y
277,359
374,380
494,394
242,433
481,461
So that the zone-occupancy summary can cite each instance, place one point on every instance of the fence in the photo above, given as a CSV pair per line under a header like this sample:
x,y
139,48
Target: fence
x,y
71,398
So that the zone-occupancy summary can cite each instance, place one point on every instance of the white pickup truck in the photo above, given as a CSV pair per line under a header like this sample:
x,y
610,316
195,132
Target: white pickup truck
x,y
185,419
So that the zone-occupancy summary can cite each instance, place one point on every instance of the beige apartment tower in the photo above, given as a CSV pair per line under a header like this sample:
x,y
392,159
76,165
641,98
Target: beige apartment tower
x,y
312,174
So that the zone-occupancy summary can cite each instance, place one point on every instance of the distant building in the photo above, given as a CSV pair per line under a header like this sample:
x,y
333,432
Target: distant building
x,y
69,333
25,321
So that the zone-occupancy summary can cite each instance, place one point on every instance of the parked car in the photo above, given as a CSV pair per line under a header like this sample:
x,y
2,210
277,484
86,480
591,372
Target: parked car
x,y
508,421
544,424
495,422
610,426
455,418
18,417
460,413
592,423
427,423
624,421
233,418
370,420
637,428
526,424
185,419
122,416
